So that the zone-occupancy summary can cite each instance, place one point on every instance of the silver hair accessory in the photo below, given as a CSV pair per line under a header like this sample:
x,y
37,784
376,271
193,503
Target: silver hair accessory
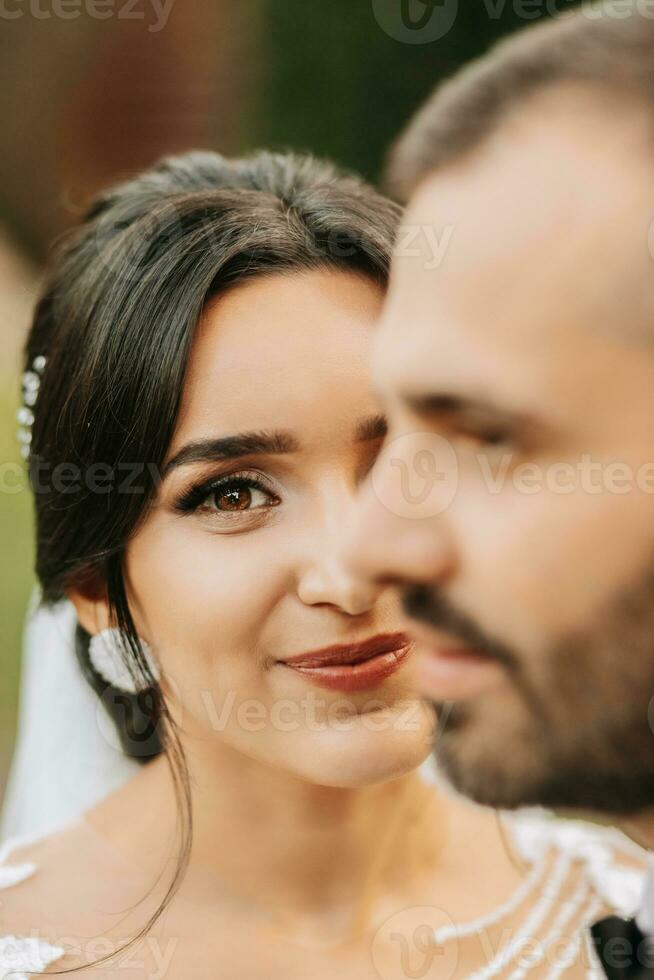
x,y
106,655
25,414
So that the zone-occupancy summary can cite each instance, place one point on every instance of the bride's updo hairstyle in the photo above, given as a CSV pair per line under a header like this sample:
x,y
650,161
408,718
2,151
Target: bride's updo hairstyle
x,y
115,323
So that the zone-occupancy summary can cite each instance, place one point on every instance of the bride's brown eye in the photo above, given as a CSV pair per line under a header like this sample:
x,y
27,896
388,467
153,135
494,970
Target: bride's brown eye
x,y
234,498
228,495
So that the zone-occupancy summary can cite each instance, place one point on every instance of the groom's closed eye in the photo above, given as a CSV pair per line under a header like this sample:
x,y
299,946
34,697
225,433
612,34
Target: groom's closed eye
x,y
474,419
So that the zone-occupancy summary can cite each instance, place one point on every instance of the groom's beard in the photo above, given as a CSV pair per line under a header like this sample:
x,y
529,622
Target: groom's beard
x,y
572,727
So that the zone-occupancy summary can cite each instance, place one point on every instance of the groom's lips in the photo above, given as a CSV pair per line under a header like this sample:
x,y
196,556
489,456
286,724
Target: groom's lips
x,y
449,671
352,667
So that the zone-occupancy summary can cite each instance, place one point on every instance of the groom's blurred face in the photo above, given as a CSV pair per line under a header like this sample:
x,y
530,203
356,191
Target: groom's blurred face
x,y
514,503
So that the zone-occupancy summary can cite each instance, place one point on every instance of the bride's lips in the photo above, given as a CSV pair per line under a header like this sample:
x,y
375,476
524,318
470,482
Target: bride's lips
x,y
354,666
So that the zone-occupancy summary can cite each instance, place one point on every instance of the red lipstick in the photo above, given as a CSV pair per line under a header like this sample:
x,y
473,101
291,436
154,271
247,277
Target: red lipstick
x,y
354,666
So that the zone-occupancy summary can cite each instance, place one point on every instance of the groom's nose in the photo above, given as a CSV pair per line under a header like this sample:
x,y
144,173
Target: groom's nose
x,y
384,545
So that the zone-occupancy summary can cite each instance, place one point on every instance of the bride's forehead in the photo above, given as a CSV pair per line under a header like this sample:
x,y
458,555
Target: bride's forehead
x,y
288,351
286,315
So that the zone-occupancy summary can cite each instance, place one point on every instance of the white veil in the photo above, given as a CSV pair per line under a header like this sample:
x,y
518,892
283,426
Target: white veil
x,y
67,754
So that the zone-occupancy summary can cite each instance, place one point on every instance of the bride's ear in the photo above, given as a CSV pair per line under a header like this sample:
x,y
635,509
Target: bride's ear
x,y
90,601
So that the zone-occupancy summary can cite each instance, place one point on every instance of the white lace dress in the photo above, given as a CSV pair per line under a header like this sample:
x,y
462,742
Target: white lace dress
x,y
27,955
577,874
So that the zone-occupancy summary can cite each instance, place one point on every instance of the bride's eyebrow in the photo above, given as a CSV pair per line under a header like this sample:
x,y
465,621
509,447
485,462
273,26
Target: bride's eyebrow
x,y
232,447
261,442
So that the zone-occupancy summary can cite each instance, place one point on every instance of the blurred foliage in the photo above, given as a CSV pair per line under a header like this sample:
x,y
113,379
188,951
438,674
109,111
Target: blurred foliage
x,y
16,565
334,82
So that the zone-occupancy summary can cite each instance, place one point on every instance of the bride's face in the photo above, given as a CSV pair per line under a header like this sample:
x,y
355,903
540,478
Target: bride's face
x,y
236,569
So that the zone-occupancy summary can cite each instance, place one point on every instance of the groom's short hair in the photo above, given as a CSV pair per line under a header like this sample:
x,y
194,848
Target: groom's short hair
x,y
610,47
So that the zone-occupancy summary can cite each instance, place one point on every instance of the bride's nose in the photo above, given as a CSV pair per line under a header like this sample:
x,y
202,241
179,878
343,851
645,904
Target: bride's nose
x,y
326,581
324,578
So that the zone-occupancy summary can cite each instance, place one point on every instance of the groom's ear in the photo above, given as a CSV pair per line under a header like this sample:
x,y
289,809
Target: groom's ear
x,y
90,601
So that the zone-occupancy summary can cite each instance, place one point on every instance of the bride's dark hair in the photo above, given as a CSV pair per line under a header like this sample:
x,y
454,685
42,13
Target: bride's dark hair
x,y
116,320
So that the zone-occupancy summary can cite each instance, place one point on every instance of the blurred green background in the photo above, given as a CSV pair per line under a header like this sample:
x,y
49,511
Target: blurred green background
x,y
84,101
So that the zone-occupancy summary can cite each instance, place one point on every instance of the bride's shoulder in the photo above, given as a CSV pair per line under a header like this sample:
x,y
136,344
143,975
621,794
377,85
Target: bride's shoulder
x,y
35,870
29,862
600,859
53,893
33,863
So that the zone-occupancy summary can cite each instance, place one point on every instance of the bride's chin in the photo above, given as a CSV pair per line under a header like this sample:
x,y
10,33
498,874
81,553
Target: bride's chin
x,y
373,747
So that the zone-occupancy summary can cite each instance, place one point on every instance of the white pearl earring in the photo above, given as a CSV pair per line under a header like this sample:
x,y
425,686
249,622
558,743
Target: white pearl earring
x,y
106,655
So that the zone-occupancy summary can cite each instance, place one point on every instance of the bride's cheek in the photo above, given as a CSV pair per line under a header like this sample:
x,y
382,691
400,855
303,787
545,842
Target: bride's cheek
x,y
207,607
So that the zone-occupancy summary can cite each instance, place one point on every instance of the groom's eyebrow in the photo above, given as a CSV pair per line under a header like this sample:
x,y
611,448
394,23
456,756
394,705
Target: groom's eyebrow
x,y
469,412
372,427
261,442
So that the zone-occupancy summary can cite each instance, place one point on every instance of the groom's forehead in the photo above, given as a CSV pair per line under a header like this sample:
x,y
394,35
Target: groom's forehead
x,y
549,225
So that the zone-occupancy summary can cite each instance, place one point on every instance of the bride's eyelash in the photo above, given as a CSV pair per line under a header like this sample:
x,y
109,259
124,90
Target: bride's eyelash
x,y
198,494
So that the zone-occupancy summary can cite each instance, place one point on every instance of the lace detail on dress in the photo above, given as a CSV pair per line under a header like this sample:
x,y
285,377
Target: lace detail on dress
x,y
13,873
578,873
21,956
599,849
